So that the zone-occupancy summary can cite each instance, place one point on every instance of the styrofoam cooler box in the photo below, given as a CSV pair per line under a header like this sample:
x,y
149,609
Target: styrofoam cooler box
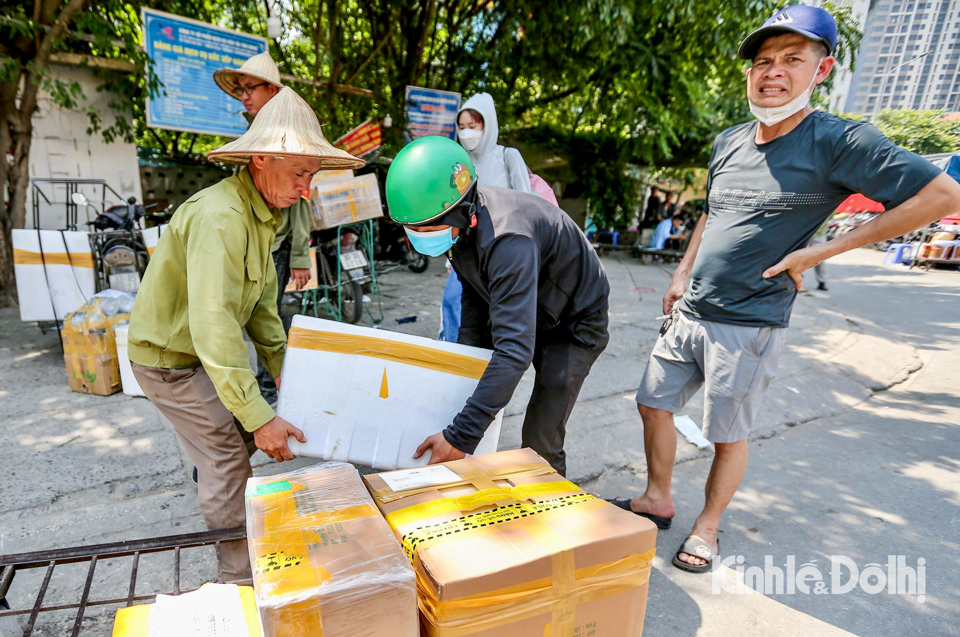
x,y
54,272
372,397
128,382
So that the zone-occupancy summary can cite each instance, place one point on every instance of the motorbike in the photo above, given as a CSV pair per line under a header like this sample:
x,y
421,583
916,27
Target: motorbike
x,y
119,254
342,271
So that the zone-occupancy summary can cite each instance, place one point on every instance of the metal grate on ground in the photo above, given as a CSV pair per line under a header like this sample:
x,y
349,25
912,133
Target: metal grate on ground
x,y
47,561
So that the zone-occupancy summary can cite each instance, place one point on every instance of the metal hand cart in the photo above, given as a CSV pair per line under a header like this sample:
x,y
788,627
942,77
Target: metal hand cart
x,y
48,561
328,298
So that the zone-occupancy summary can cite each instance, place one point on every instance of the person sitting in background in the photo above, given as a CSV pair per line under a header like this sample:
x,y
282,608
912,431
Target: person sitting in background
x,y
667,229
670,207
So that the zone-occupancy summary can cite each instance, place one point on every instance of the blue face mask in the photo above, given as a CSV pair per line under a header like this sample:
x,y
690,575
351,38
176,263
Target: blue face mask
x,y
433,243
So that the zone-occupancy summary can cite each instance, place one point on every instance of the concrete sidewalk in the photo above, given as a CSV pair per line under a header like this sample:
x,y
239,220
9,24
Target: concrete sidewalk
x,y
836,468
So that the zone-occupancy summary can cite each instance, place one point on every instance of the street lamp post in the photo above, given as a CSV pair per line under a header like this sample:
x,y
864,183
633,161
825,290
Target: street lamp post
x,y
883,82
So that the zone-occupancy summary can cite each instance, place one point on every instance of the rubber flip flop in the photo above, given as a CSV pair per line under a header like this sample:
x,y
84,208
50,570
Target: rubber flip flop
x,y
694,545
624,503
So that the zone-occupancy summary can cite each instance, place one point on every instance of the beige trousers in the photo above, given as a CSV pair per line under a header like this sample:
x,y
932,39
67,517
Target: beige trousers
x,y
219,447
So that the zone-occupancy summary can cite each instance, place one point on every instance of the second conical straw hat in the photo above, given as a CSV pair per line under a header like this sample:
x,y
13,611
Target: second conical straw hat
x,y
285,126
260,65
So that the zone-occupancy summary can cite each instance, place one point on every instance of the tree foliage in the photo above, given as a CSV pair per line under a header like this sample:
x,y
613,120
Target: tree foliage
x,y
589,89
32,34
923,132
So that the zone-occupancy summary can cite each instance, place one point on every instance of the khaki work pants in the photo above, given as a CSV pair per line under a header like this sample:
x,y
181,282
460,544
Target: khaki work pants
x,y
219,447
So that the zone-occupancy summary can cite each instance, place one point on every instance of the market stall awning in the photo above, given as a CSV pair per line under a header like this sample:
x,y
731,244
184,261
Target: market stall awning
x,y
859,203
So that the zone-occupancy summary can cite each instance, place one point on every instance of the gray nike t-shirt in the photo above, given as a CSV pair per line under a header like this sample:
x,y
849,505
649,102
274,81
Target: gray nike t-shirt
x,y
767,200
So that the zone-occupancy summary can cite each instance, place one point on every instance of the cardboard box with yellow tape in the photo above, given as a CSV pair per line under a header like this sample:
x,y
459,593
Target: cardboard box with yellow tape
x,y
90,343
338,202
325,564
504,546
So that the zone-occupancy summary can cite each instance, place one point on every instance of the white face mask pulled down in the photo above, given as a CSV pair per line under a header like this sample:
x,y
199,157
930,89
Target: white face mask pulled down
x,y
470,138
776,114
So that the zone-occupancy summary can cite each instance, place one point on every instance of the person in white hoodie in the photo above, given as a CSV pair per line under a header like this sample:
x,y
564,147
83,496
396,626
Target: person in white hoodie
x,y
496,166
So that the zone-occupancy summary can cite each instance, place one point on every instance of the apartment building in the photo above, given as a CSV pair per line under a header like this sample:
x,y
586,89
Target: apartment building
x,y
908,58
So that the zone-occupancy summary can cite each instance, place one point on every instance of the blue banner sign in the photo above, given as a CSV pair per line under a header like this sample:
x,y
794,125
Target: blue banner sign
x,y
431,112
184,54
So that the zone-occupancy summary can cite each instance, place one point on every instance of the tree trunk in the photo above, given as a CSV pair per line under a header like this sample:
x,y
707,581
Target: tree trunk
x,y
17,134
8,284
8,112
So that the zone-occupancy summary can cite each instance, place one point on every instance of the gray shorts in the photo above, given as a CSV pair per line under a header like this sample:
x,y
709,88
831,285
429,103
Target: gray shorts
x,y
736,363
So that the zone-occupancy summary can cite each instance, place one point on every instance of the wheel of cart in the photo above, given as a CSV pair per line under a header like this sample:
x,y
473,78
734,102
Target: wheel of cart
x,y
342,276
25,619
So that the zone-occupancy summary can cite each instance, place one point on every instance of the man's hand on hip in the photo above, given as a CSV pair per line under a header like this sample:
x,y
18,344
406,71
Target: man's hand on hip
x,y
441,450
300,277
271,439
796,263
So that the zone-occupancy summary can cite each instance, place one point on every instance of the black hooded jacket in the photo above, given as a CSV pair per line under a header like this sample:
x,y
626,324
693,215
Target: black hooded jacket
x,y
528,273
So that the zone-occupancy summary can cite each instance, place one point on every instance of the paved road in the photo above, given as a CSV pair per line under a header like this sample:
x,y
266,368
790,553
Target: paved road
x,y
854,453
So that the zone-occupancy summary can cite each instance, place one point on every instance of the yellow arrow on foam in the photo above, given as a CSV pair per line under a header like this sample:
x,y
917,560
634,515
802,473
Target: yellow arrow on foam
x,y
384,389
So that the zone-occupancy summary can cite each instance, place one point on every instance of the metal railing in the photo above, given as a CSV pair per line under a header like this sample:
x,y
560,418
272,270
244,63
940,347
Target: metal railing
x,y
10,565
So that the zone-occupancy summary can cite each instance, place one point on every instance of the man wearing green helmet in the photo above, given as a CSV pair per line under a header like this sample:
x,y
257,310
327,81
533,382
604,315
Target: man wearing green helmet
x,y
533,290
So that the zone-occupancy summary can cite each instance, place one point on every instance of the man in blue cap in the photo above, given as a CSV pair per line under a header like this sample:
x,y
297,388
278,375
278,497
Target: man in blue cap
x,y
772,183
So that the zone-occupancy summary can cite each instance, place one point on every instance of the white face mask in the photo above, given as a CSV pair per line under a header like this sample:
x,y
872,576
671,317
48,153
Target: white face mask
x,y
470,138
776,114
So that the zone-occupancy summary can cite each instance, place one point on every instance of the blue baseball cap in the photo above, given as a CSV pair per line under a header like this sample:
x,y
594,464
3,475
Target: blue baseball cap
x,y
813,23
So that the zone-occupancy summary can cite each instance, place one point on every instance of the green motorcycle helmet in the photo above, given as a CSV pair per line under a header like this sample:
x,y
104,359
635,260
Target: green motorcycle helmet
x,y
427,179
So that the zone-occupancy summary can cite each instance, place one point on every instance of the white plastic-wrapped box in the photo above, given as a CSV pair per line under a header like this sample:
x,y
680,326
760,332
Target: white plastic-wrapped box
x,y
324,560
54,272
372,396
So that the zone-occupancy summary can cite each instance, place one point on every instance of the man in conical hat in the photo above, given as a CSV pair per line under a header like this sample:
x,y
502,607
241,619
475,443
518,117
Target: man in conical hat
x,y
211,278
255,83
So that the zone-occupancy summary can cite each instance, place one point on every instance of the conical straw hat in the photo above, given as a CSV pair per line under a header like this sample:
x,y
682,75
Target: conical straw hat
x,y
260,65
285,126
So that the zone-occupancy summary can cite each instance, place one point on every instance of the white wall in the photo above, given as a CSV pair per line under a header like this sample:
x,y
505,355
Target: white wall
x,y
61,148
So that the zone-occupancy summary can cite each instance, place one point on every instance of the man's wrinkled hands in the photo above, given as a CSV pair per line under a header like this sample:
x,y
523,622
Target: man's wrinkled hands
x,y
300,277
795,264
441,450
271,438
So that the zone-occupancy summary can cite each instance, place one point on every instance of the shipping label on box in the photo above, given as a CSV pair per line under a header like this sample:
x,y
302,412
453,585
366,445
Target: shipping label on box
x,y
336,203
509,548
324,561
372,396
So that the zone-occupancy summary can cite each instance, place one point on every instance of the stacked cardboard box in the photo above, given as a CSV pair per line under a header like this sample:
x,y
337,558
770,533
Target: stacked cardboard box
x,y
504,546
324,561
90,346
336,203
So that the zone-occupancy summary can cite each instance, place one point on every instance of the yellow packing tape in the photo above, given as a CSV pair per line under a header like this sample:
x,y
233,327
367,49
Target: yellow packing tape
x,y
486,611
27,257
558,594
427,510
417,355
426,535
134,621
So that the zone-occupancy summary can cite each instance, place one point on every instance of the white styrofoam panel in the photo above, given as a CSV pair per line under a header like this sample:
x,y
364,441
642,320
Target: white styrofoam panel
x,y
31,284
78,246
58,277
335,398
128,382
150,238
